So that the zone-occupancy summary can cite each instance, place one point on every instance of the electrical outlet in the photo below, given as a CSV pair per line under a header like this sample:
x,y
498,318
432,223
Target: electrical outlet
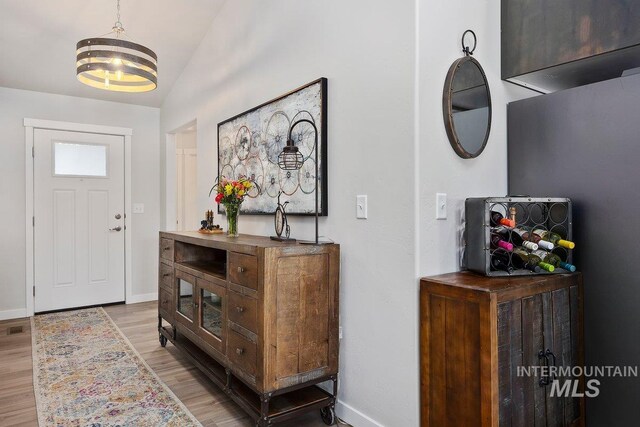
x,y
138,208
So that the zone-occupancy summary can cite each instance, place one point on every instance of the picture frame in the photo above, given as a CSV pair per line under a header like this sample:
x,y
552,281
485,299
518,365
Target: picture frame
x,y
249,144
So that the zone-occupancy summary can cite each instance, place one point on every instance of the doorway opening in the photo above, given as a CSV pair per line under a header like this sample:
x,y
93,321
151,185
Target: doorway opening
x,y
186,156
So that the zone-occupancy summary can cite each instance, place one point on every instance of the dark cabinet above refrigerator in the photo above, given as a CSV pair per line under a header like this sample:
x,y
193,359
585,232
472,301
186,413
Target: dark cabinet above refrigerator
x,y
550,45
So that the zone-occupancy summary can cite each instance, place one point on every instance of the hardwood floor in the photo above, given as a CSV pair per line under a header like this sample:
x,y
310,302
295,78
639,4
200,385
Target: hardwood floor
x,y
138,322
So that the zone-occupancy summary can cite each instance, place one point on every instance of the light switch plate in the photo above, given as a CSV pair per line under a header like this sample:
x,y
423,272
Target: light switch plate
x,y
361,207
138,208
441,206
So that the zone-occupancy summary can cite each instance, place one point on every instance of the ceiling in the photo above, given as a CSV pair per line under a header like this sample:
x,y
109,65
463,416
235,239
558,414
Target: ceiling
x,y
38,41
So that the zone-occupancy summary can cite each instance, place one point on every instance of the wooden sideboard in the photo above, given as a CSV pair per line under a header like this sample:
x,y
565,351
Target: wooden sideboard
x,y
476,331
258,317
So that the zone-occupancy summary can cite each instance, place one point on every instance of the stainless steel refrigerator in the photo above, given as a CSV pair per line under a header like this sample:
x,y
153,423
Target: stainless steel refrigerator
x,y
584,143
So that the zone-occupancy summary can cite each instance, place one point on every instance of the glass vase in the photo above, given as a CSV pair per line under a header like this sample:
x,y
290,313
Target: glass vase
x,y
232,212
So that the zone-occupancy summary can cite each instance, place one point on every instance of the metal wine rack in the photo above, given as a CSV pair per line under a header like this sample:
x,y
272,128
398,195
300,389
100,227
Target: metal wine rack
x,y
547,213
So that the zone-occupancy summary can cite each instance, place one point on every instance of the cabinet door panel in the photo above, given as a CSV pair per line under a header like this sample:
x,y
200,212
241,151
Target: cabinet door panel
x,y
511,386
576,340
211,312
185,291
547,321
532,343
565,347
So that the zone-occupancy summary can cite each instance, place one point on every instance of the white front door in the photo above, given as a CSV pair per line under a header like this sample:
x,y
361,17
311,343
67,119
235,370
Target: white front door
x,y
79,219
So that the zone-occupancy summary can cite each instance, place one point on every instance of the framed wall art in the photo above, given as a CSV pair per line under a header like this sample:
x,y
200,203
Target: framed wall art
x,y
249,145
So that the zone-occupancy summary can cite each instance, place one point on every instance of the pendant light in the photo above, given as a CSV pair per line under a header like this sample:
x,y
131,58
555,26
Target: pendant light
x,y
112,63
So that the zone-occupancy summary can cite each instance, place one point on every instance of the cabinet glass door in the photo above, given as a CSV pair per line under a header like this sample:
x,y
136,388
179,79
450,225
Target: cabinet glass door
x,y
211,313
185,301
185,292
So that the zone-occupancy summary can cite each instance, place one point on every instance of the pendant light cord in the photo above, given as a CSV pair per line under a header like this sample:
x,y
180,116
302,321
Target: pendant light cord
x,y
117,27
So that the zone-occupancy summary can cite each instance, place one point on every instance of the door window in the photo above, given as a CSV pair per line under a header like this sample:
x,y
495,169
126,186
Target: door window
x,y
211,312
77,159
185,299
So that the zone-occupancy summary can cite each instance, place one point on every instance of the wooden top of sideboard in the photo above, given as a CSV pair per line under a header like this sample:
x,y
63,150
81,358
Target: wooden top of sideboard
x,y
245,243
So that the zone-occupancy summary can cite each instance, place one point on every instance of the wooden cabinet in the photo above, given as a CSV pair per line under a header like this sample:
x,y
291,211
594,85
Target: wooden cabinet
x,y
258,317
486,345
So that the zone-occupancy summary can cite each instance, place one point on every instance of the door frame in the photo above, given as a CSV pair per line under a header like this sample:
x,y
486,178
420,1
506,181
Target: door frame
x,y
30,125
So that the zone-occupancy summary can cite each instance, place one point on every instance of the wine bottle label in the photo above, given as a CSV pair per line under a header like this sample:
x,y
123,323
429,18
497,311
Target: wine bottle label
x,y
530,245
540,232
541,254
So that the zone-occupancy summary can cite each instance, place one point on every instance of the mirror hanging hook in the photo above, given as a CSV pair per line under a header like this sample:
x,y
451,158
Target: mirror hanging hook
x,y
465,48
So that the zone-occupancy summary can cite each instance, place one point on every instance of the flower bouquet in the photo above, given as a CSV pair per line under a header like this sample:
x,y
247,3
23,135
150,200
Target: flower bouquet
x,y
231,194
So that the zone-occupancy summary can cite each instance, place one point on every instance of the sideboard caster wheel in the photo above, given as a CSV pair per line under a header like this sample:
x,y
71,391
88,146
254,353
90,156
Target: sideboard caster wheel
x,y
163,340
328,415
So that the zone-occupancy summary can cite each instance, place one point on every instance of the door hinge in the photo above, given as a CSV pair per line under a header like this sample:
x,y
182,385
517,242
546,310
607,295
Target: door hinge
x,y
33,151
34,291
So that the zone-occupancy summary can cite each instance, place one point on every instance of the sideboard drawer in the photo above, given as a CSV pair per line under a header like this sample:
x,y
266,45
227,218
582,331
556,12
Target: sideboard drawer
x,y
242,352
243,270
166,249
243,310
165,304
166,276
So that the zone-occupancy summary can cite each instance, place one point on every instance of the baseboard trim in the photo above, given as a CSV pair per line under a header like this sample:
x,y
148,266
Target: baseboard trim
x,y
354,417
134,299
13,314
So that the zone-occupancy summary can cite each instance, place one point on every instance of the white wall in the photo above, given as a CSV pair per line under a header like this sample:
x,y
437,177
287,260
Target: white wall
x,y
257,50
441,24
15,105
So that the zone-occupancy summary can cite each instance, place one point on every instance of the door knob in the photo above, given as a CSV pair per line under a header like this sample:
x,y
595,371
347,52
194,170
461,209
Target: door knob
x,y
118,216
118,228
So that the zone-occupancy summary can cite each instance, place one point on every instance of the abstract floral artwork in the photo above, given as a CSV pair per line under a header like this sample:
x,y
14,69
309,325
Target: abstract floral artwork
x,y
249,145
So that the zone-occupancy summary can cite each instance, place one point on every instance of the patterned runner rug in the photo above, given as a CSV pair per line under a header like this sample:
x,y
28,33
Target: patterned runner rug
x,y
86,373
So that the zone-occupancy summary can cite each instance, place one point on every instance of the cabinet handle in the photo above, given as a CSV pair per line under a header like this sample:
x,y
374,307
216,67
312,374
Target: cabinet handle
x,y
196,305
240,351
544,381
241,270
164,301
239,309
166,248
166,275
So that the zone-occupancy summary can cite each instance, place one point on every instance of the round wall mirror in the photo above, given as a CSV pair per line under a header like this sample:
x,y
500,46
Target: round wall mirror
x,y
466,105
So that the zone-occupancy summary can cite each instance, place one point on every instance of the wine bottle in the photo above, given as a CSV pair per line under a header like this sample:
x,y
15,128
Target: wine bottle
x,y
498,242
510,235
536,260
526,235
496,219
554,238
500,261
512,214
554,260
520,260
